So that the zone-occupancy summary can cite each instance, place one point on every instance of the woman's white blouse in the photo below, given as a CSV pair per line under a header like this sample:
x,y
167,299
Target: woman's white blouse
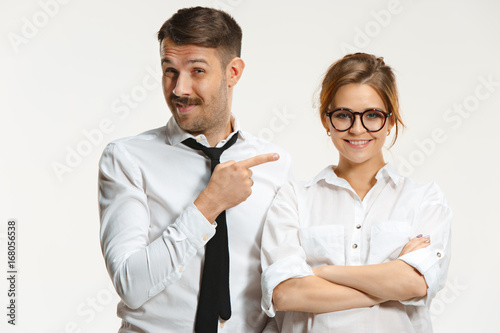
x,y
323,222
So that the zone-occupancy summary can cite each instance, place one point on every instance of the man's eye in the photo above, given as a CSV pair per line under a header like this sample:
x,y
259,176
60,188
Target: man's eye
x,y
198,71
170,72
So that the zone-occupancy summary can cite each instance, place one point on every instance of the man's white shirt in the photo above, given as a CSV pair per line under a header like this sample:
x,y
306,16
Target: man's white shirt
x,y
153,237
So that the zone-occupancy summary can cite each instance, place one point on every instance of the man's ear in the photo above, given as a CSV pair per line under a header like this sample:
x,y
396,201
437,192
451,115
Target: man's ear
x,y
234,70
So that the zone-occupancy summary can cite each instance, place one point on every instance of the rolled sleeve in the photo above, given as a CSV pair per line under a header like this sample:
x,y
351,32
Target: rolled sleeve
x,y
284,269
282,256
433,265
434,219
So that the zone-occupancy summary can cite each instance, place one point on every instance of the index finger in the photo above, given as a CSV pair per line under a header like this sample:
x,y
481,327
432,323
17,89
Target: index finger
x,y
259,159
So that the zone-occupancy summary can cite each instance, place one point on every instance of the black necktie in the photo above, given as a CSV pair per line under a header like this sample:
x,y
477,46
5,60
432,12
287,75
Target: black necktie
x,y
214,299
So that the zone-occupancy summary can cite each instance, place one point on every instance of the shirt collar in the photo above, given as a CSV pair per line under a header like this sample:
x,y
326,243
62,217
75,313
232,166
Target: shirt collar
x,y
175,135
387,172
328,175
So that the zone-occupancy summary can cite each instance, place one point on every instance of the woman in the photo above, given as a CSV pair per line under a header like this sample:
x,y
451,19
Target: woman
x,y
359,248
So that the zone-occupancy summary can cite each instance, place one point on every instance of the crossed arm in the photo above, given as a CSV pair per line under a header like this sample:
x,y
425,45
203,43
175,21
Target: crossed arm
x,y
336,288
317,295
290,284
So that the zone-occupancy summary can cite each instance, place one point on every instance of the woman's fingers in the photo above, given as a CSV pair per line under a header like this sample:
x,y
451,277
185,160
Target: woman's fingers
x,y
416,243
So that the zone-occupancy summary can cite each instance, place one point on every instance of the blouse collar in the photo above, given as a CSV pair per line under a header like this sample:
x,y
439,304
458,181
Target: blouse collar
x,y
387,172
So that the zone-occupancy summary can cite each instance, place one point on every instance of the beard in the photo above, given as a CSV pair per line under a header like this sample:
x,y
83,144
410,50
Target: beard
x,y
212,115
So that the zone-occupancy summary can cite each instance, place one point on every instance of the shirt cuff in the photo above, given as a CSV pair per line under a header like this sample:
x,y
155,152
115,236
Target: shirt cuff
x,y
284,269
426,261
195,226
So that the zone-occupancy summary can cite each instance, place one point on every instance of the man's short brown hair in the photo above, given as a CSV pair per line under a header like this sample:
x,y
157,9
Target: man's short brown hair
x,y
206,27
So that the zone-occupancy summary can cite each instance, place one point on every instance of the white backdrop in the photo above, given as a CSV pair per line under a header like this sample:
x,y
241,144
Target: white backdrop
x,y
78,74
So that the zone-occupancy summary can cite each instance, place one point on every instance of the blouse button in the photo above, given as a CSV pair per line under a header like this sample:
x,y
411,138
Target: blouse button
x,y
205,238
198,139
354,246
358,226
439,255
222,325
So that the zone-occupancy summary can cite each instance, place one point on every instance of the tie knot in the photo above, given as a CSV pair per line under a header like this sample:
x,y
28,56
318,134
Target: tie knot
x,y
212,153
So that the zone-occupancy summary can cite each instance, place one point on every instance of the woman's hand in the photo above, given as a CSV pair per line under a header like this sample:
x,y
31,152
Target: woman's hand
x,y
416,243
393,280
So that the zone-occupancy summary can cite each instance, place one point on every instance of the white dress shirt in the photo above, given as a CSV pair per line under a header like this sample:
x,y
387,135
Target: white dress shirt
x,y
323,222
153,237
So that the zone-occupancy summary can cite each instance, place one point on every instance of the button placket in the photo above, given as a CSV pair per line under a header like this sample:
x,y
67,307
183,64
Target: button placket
x,y
356,233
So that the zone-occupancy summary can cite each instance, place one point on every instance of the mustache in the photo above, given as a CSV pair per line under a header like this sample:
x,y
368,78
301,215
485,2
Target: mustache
x,y
185,100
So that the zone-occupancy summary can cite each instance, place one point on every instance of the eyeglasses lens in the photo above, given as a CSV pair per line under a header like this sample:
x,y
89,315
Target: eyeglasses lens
x,y
373,120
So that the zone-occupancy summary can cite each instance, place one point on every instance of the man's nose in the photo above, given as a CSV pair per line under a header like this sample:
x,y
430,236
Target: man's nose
x,y
183,85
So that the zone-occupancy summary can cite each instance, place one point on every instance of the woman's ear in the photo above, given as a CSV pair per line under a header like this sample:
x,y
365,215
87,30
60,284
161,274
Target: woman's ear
x,y
325,121
392,122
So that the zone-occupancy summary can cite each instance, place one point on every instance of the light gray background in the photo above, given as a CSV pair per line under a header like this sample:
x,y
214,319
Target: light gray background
x,y
70,74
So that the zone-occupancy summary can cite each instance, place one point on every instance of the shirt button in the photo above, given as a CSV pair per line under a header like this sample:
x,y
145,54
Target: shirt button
x,y
221,324
198,139
358,226
354,246
181,269
205,238
439,255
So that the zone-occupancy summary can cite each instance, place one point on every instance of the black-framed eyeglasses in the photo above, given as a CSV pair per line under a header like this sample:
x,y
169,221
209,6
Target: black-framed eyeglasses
x,y
373,120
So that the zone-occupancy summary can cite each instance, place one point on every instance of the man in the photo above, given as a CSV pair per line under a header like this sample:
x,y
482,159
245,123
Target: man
x,y
160,205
